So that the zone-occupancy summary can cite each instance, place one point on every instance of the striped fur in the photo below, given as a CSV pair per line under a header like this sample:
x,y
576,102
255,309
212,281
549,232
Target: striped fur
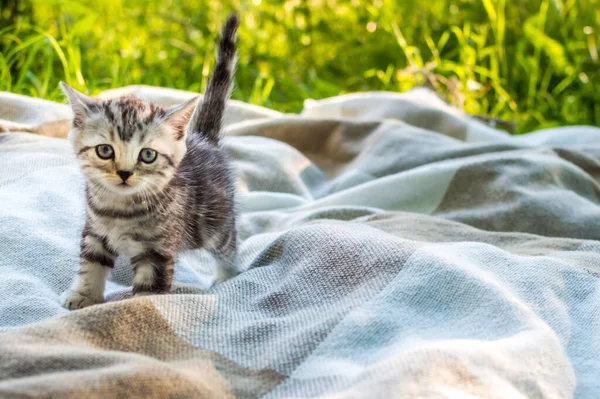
x,y
182,200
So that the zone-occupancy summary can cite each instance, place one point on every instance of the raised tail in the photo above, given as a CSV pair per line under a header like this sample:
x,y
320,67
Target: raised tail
x,y
208,117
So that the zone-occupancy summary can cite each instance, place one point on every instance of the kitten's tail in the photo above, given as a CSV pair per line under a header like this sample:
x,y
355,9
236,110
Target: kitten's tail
x,y
208,118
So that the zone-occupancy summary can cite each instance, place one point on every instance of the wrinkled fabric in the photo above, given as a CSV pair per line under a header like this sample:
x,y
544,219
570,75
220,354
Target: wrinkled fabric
x,y
390,246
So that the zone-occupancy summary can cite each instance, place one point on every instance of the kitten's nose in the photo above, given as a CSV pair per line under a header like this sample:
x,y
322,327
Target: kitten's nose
x,y
124,174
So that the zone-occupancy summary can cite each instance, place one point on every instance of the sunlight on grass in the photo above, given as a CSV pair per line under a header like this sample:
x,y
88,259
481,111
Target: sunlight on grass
x,y
536,63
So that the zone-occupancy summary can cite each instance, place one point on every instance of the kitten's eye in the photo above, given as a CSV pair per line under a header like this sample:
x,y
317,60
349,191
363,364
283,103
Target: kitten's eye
x,y
147,155
105,151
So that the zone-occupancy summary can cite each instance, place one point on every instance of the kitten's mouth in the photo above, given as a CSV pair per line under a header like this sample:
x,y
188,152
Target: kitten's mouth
x,y
123,188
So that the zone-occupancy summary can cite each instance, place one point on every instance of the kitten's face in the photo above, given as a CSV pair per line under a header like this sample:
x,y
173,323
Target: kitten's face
x,y
128,156
129,146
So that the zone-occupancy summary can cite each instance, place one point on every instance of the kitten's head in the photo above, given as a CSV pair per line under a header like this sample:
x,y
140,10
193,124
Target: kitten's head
x,y
127,145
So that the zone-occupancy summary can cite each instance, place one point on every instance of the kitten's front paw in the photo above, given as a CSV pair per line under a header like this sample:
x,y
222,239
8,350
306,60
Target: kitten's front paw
x,y
73,300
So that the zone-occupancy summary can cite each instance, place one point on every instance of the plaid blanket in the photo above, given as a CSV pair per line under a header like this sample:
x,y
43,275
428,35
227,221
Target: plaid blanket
x,y
391,247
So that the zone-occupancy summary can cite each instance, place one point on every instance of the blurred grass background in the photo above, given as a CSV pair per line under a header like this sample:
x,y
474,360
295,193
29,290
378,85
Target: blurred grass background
x,y
532,61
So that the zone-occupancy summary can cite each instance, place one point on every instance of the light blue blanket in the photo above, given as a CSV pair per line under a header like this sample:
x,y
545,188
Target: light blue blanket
x,y
392,247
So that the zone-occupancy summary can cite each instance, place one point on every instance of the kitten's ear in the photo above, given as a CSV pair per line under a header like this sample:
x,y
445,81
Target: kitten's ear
x,y
178,116
82,105
181,111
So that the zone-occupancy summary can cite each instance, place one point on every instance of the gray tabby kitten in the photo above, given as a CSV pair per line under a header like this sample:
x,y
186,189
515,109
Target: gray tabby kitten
x,y
157,182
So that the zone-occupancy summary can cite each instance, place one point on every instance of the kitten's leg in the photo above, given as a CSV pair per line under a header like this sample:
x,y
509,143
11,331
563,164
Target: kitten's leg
x,y
226,254
153,272
96,259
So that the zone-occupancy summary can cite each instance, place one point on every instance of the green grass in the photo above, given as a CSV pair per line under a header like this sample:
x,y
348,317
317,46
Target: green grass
x,y
532,61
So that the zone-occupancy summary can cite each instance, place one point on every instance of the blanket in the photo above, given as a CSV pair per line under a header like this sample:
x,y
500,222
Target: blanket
x,y
391,246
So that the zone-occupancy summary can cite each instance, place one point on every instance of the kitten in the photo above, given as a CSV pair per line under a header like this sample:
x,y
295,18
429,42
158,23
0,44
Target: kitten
x,y
157,182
